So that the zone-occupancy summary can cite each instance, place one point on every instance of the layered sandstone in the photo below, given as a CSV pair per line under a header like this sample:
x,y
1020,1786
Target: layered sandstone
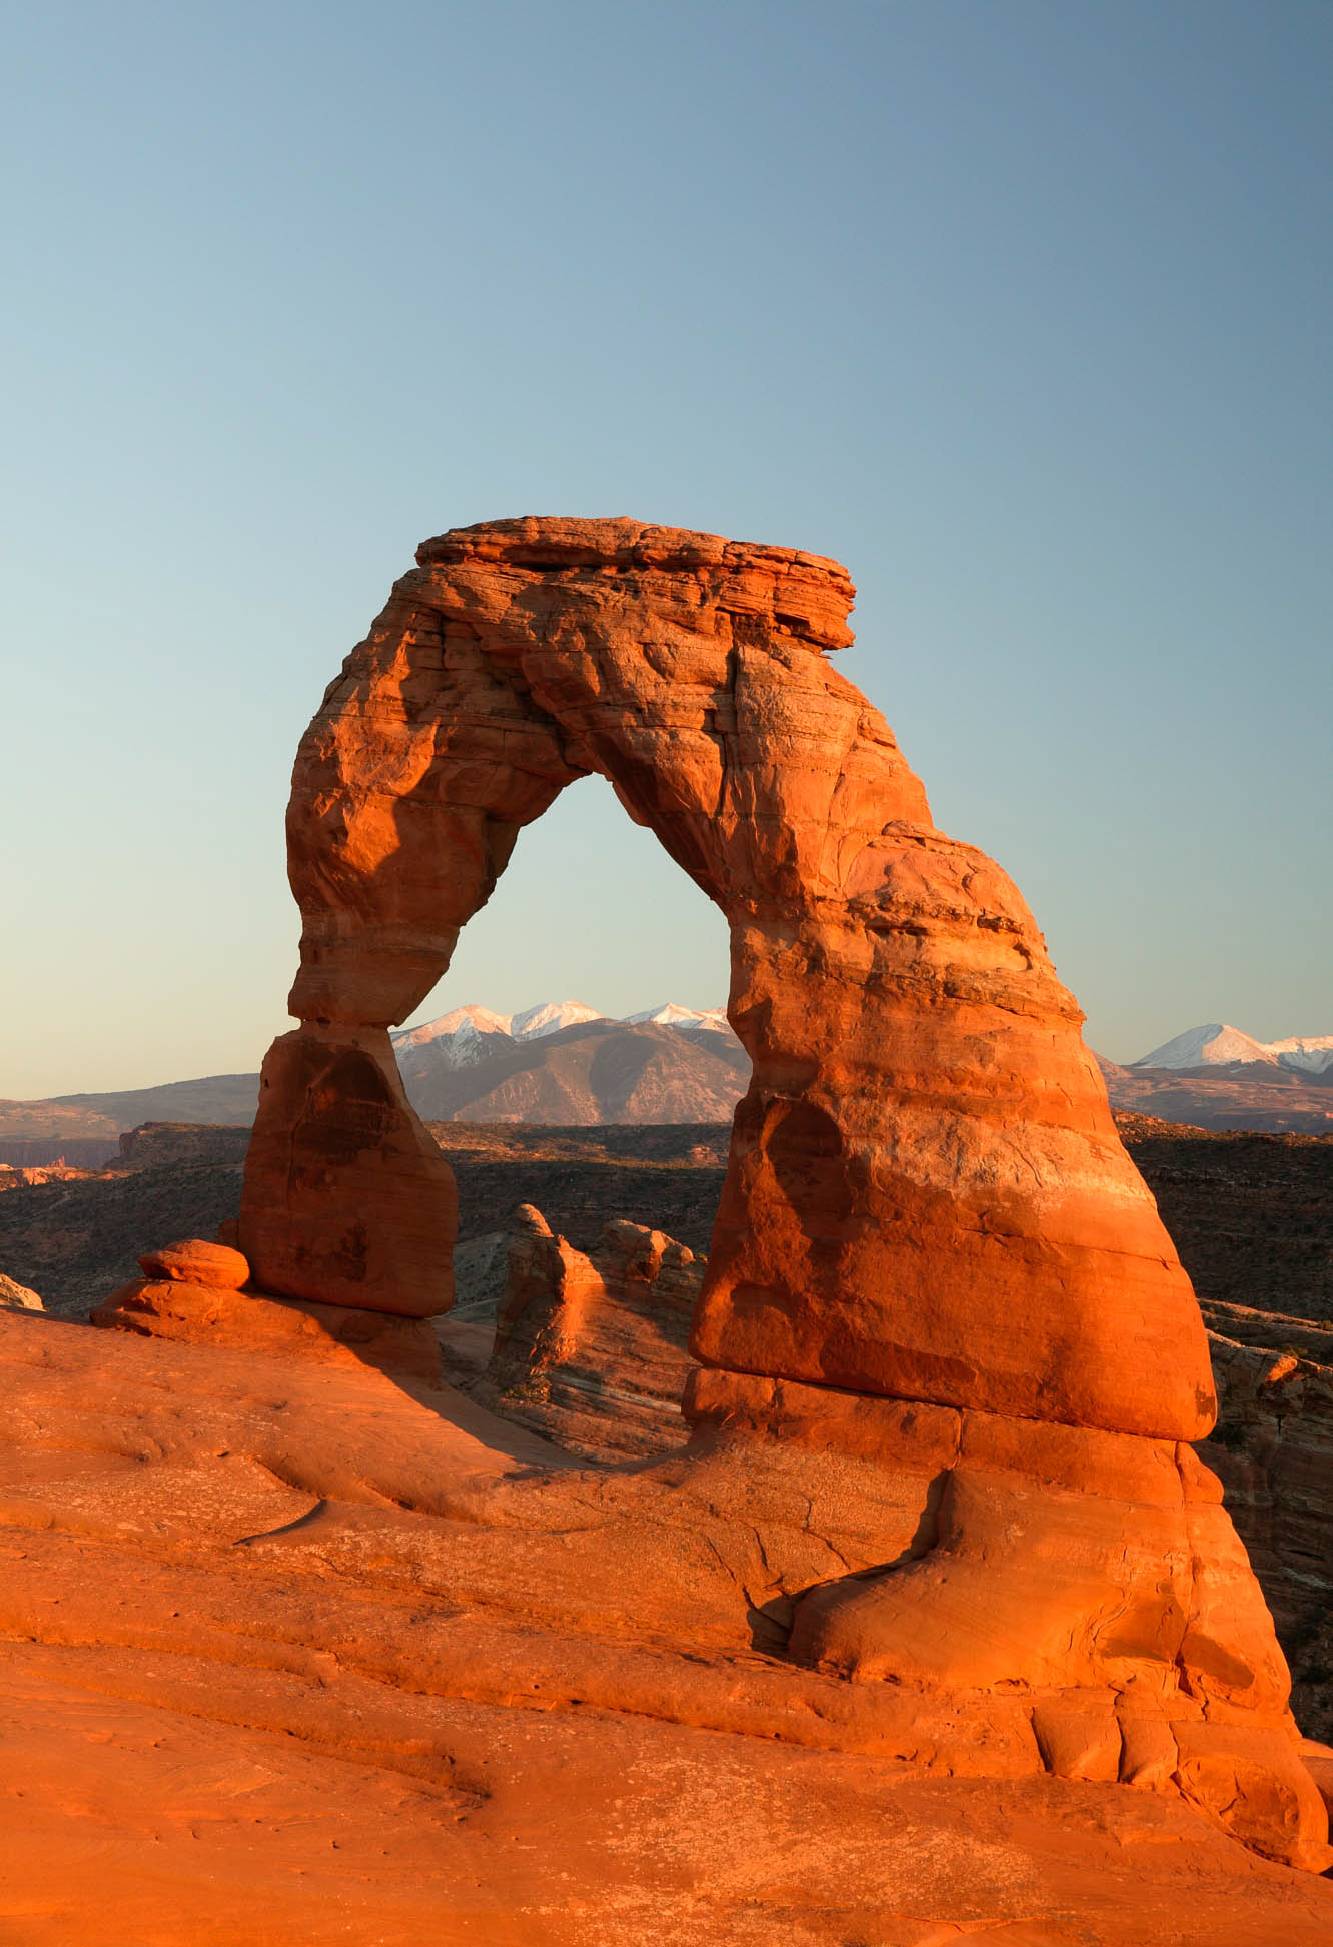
x,y
346,1198
197,1260
291,1651
198,1291
933,1256
923,1124
590,1347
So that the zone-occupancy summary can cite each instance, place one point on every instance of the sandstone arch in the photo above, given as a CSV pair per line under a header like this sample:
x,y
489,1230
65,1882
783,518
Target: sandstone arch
x,y
926,1197
937,1283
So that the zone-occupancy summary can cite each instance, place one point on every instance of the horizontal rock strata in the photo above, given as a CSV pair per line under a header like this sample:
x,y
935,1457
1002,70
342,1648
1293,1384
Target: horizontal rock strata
x,y
591,1348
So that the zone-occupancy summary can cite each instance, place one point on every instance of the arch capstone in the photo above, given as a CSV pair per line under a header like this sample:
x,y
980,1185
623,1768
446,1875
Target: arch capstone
x,y
949,1364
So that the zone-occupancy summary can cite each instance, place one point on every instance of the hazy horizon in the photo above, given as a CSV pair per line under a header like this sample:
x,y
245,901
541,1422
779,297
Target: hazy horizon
x,y
1038,347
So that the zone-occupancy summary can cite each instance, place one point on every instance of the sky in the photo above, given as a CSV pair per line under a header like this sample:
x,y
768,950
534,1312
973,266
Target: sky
x,y
1020,308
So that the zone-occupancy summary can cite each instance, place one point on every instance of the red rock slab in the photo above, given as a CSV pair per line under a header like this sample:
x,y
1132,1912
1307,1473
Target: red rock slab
x,y
166,1805
263,1512
590,1347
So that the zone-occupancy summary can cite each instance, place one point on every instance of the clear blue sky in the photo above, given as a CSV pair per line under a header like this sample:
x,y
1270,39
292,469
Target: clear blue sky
x,y
1021,308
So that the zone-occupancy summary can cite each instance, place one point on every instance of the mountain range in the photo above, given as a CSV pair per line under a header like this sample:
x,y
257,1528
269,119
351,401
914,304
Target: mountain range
x,y
565,1063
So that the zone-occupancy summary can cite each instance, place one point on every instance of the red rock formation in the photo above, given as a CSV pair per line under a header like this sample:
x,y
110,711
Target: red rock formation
x,y
213,1315
291,1652
346,1199
930,1238
19,1295
198,1291
926,1195
590,1347
197,1260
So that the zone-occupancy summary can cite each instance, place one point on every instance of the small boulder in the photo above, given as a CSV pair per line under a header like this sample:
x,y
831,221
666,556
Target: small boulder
x,y
195,1261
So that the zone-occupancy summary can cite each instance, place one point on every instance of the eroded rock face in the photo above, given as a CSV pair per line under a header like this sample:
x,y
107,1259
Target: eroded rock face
x,y
926,1195
213,1314
197,1260
196,1291
590,1347
346,1198
933,1255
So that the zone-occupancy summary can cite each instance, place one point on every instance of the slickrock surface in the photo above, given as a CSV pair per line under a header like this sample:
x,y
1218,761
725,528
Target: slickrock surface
x,y
591,1348
1272,1449
932,1252
290,1651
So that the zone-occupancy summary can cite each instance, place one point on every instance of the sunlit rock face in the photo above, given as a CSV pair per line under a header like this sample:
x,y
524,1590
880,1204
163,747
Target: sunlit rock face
x,y
926,1195
935,1273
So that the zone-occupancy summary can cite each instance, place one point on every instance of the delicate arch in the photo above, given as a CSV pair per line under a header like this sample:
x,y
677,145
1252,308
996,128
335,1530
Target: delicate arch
x,y
926,1196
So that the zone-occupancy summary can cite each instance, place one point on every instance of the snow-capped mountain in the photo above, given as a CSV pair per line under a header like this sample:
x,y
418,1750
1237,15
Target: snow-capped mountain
x,y
468,1034
672,1015
1310,1053
564,1062
549,1017
466,1030
1216,1044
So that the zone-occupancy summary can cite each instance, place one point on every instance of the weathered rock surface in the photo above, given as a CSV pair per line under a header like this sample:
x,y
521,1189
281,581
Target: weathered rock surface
x,y
923,1125
930,1236
591,1348
197,1260
346,1200
343,1660
211,1315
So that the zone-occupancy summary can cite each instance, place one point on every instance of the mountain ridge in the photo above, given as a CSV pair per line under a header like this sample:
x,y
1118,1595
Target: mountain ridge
x,y
564,1063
